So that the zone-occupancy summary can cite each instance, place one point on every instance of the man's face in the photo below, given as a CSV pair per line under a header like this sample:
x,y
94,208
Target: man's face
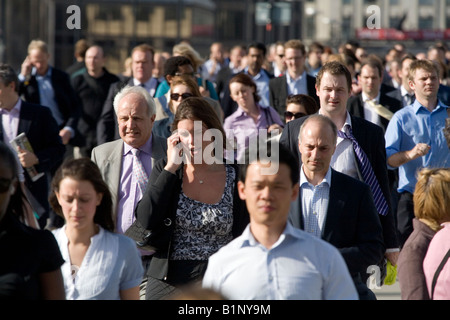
x,y
7,93
135,124
316,146
94,59
333,93
255,59
268,197
142,65
403,73
39,60
425,85
295,61
370,81
279,57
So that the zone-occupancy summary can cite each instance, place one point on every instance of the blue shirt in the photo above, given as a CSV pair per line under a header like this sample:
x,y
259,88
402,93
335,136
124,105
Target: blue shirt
x,y
299,266
415,124
315,203
262,83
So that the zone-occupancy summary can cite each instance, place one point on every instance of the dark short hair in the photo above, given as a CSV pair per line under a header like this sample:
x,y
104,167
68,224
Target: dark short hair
x,y
334,68
8,75
257,45
264,153
84,169
171,65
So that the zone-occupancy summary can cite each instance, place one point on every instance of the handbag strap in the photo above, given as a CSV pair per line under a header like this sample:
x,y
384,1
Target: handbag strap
x,y
438,271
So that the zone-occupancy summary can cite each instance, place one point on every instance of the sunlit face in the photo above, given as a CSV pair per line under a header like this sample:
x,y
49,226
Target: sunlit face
x,y
295,61
142,65
404,71
78,201
333,93
316,146
179,89
242,94
268,196
255,59
94,59
370,81
135,123
425,85
191,136
39,60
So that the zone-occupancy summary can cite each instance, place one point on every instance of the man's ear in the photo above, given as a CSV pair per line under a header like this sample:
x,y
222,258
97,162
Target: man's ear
x,y
241,190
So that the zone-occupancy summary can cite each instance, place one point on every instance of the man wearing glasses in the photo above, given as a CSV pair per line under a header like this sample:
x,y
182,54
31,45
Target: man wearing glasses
x,y
295,80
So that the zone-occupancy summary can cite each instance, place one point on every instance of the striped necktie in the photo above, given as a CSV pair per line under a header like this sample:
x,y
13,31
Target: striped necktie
x,y
367,173
139,171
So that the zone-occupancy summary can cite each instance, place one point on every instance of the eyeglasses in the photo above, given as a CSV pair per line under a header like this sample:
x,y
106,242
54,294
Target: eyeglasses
x,y
176,96
5,184
289,115
281,55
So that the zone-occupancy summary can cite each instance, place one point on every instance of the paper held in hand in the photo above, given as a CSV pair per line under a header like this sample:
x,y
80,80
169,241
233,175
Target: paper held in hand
x,y
22,141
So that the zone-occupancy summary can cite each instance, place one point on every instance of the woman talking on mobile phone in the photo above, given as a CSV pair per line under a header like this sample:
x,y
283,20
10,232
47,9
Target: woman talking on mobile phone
x,y
196,198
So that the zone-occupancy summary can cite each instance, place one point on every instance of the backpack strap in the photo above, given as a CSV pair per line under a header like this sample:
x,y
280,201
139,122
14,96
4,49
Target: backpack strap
x,y
438,271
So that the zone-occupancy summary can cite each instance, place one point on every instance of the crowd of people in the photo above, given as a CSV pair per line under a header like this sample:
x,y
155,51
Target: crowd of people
x,y
154,182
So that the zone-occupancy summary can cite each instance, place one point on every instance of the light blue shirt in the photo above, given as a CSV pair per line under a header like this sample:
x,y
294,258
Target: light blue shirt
x,y
297,86
415,124
315,202
299,266
262,83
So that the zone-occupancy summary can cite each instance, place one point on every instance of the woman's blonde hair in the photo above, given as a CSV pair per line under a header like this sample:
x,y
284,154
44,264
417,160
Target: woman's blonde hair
x,y
432,196
184,49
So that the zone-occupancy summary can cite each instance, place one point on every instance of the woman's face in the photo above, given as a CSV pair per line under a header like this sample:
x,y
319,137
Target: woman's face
x,y
79,201
7,185
178,91
242,94
191,136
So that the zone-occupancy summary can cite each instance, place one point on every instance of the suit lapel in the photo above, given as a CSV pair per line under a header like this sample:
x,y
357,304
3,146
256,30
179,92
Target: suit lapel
x,y
25,118
336,204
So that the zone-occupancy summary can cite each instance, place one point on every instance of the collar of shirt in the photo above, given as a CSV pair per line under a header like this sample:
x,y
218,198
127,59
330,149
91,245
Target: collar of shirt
x,y
365,97
326,179
146,148
241,113
291,80
403,91
259,76
47,75
248,240
15,111
417,107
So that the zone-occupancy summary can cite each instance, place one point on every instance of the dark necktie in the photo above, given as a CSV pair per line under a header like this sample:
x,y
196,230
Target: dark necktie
x,y
367,173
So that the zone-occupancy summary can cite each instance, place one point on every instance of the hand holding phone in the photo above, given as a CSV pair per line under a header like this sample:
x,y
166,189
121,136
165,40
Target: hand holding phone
x,y
174,153
27,66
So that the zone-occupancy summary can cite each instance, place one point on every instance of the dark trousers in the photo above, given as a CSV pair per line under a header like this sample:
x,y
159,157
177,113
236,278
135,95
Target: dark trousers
x,y
405,215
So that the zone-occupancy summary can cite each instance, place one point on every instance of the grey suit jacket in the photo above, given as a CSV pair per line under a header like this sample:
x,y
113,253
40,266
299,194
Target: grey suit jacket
x,y
108,158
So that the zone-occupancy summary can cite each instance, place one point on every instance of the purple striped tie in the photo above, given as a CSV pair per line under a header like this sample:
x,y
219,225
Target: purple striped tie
x,y
139,171
367,173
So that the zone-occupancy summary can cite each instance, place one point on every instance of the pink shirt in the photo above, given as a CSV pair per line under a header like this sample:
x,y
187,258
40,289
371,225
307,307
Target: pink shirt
x,y
438,248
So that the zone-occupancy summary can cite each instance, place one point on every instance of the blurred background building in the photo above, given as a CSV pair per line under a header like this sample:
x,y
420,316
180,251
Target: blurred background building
x,y
118,25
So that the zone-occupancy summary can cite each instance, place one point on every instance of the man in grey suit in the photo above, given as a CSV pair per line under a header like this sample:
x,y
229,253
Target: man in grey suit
x,y
135,111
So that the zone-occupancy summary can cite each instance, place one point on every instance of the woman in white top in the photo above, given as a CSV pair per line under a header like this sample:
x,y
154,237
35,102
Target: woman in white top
x,y
99,264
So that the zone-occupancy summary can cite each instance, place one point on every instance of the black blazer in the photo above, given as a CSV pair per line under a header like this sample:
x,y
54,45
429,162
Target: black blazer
x,y
355,106
278,92
160,200
65,97
38,124
371,139
351,223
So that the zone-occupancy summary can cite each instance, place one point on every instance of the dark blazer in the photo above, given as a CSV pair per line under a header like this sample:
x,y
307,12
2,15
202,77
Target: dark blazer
x,y
157,204
444,94
351,223
371,139
278,92
38,124
107,124
355,106
65,97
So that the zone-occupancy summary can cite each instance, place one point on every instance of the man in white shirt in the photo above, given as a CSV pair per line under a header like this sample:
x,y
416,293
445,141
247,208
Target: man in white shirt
x,y
273,260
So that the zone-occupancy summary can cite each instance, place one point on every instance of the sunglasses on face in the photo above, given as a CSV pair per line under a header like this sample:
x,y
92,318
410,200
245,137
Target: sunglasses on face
x,y
5,184
176,96
296,115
